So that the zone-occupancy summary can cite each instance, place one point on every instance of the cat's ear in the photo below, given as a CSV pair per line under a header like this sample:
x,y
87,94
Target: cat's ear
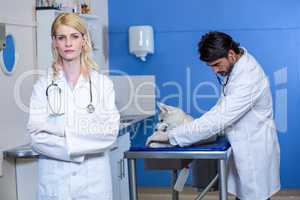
x,y
164,108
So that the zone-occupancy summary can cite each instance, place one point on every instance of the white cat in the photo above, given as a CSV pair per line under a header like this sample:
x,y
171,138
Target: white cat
x,y
170,117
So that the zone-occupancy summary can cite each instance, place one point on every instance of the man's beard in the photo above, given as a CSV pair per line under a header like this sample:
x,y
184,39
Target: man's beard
x,y
228,72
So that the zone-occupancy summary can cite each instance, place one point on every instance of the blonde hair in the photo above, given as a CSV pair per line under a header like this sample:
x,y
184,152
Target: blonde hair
x,y
73,20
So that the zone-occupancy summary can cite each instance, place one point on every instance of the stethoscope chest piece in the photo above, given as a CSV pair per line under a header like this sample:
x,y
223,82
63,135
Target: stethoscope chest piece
x,y
90,108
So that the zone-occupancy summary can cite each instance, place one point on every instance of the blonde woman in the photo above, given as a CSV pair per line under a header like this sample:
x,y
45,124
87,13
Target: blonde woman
x,y
73,119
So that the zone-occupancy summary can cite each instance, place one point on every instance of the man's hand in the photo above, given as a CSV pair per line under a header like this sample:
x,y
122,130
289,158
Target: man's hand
x,y
158,136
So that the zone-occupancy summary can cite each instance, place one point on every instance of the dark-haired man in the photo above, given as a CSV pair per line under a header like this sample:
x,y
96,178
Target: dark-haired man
x,y
244,112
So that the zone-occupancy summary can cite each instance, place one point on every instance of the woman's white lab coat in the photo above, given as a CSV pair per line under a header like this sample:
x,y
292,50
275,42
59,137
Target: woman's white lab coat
x,y
245,114
74,163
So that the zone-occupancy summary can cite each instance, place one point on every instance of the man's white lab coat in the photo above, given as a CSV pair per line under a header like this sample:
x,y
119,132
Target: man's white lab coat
x,y
245,114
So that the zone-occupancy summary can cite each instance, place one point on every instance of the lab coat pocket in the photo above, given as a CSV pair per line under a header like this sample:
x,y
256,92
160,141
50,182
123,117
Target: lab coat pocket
x,y
99,177
237,133
47,183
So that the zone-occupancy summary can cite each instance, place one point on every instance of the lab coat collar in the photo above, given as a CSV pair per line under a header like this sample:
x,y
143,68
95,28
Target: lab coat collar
x,y
59,76
243,59
82,79
62,77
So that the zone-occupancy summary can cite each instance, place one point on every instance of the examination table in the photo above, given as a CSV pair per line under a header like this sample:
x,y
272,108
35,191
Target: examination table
x,y
219,150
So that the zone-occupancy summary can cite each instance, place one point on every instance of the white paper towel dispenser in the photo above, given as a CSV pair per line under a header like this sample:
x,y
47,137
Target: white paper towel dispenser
x,y
141,41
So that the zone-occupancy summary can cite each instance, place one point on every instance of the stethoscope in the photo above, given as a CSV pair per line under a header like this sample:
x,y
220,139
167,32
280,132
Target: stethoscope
x,y
57,112
222,82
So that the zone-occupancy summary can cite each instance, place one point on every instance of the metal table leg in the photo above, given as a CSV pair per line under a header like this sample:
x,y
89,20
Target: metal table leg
x,y
132,179
175,194
223,180
208,187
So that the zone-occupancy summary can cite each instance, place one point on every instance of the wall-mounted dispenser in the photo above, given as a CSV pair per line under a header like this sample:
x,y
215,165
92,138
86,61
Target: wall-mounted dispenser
x,y
2,36
141,41
9,55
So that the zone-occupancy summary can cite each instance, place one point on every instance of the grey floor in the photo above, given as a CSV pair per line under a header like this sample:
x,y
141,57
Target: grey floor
x,y
190,194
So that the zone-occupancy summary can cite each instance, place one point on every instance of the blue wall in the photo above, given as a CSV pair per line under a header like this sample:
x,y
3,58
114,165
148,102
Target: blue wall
x,y
270,30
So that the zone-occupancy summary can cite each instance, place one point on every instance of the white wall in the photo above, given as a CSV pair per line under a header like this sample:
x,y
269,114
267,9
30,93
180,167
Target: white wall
x,y
100,8
19,19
